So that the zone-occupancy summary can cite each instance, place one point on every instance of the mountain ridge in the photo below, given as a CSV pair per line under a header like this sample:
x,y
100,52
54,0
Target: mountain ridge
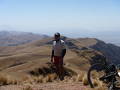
x,y
14,38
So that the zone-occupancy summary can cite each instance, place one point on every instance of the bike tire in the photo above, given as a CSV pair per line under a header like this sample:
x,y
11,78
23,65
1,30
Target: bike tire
x,y
93,67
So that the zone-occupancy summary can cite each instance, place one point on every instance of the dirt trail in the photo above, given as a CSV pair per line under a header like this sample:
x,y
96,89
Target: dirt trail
x,y
47,86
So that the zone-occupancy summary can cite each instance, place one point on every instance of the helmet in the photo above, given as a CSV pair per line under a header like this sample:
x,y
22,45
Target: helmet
x,y
57,34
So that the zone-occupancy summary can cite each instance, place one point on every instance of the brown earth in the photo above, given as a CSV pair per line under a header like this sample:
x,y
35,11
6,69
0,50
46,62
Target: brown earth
x,y
48,86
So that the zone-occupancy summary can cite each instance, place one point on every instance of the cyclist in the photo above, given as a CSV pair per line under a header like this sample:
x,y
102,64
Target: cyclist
x,y
58,53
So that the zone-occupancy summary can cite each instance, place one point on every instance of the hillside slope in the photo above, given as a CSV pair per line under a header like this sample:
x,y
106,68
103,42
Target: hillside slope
x,y
19,60
110,51
30,61
13,38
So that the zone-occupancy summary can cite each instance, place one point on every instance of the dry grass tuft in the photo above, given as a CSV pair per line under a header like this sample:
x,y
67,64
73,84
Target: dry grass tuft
x,y
99,85
80,76
28,88
41,78
3,80
95,82
14,82
100,88
6,80
66,79
72,79
52,77
85,80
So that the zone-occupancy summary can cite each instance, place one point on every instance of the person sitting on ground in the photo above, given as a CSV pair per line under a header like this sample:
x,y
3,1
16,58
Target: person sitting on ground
x,y
58,53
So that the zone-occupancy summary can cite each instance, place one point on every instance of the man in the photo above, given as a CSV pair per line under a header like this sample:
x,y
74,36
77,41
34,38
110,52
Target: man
x,y
58,53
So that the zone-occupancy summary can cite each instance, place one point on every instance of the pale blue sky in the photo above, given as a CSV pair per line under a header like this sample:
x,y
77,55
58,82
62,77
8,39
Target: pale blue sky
x,y
70,17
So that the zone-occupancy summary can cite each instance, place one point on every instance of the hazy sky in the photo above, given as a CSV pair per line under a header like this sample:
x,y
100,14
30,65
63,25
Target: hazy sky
x,y
71,17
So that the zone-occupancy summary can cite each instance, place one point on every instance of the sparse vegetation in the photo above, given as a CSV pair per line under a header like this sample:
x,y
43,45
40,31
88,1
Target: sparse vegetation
x,y
28,88
80,76
100,88
6,80
85,80
3,80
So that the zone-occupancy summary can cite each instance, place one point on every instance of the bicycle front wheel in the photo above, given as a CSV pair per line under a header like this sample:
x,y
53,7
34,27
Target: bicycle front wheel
x,y
95,72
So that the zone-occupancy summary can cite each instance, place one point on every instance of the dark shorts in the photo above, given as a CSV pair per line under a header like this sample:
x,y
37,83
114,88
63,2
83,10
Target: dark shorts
x,y
58,60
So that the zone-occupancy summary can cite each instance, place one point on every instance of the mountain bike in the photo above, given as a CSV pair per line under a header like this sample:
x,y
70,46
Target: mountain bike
x,y
104,72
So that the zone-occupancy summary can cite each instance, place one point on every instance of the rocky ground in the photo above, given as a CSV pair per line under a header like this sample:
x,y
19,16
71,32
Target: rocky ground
x,y
47,86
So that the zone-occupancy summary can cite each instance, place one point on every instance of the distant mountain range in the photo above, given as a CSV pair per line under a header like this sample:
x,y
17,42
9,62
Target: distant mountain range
x,y
13,38
109,36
